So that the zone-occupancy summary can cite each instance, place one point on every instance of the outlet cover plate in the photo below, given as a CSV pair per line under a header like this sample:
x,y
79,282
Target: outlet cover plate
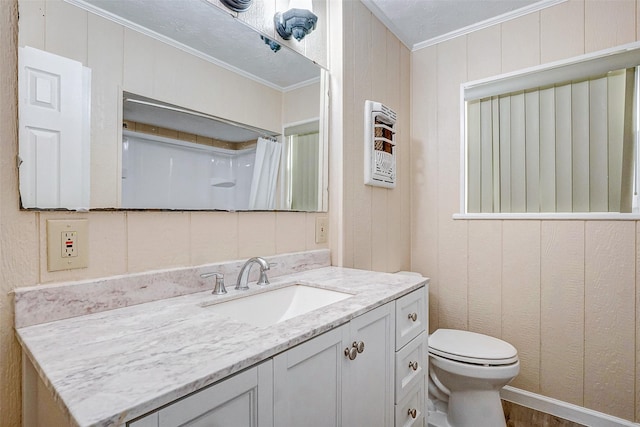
x,y
57,229
322,225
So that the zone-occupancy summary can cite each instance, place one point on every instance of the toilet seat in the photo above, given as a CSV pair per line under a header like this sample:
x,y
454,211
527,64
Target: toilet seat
x,y
472,348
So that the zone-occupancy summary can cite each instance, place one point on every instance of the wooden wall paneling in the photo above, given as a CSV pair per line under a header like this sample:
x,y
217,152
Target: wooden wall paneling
x,y
158,240
521,298
396,222
66,30
485,277
362,74
516,34
610,274
381,87
105,59
608,23
554,22
31,26
484,53
562,310
290,235
424,172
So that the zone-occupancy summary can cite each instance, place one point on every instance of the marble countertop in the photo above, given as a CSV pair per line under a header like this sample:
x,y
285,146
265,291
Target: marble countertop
x,y
110,367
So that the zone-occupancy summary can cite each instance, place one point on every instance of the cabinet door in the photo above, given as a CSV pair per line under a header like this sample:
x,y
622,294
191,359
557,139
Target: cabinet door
x,y
244,400
368,398
150,420
308,381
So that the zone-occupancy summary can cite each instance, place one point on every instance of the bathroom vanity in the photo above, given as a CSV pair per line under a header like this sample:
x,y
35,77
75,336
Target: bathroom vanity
x,y
358,361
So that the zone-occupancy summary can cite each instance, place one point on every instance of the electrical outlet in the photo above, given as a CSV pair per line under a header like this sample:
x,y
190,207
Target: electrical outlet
x,y
322,229
67,244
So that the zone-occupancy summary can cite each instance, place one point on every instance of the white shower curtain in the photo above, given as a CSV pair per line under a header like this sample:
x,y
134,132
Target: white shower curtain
x,y
265,175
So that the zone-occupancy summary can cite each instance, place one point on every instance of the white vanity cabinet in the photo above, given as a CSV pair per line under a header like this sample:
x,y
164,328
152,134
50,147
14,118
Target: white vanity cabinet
x,y
411,359
341,378
367,372
243,400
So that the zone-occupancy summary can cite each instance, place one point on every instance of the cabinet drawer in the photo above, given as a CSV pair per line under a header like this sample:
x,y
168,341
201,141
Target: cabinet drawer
x,y
411,317
412,404
411,363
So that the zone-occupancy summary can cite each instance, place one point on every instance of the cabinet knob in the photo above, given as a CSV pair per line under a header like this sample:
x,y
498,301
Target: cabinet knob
x,y
351,353
359,346
413,413
413,316
414,365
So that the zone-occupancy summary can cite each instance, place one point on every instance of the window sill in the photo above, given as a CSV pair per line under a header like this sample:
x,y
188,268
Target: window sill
x,y
587,216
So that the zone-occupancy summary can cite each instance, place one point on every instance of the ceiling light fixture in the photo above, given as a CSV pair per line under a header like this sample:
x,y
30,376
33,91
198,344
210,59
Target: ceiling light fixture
x,y
237,5
273,45
298,21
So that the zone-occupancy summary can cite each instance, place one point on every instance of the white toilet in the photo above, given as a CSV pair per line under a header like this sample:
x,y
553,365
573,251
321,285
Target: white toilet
x,y
466,372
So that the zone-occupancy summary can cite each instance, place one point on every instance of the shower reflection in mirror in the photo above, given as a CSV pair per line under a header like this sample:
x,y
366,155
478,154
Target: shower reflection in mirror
x,y
175,158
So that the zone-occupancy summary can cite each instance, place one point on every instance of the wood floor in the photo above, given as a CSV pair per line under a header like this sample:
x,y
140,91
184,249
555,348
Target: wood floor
x,y
520,416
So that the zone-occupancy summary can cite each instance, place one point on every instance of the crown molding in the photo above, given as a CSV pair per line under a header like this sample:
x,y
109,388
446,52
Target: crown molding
x,y
385,20
535,7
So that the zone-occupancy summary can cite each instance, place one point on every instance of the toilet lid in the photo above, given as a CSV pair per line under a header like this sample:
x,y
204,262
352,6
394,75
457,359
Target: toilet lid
x,y
470,347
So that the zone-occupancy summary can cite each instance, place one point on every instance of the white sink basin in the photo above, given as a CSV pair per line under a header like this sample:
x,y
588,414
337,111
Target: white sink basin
x,y
274,306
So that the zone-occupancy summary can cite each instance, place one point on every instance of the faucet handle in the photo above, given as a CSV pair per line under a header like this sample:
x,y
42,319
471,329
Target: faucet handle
x,y
219,288
263,280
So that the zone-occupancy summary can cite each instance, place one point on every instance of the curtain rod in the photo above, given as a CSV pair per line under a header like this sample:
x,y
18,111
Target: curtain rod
x,y
259,131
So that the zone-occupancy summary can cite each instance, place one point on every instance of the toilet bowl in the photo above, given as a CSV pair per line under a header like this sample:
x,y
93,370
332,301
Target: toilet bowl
x,y
467,371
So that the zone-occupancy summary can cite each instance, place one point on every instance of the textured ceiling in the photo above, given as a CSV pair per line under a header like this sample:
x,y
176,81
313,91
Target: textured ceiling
x,y
208,30
417,21
203,28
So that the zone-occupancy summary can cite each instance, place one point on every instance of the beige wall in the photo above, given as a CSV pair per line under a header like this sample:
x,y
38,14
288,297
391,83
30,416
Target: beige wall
x,y
375,220
301,104
18,266
119,242
564,293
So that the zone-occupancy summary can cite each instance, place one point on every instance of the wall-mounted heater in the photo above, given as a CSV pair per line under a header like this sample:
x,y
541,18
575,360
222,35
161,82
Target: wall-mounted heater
x,y
379,145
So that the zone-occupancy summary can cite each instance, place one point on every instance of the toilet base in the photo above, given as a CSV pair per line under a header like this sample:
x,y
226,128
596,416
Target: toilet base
x,y
473,392
492,416
476,408
438,418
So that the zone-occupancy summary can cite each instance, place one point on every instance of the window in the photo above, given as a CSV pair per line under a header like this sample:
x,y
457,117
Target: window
x,y
554,139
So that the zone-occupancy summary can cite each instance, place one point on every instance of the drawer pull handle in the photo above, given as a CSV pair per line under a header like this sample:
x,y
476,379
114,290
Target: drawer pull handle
x,y
413,316
359,346
413,413
351,353
414,365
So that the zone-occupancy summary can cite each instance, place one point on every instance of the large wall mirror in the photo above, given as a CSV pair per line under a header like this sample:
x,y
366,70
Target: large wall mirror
x,y
190,108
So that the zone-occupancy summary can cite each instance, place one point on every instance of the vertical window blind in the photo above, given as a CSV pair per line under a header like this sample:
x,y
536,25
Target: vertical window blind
x,y
566,147
303,171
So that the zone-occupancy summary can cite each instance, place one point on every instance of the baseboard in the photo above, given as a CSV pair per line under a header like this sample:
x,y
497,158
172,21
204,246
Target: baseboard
x,y
561,409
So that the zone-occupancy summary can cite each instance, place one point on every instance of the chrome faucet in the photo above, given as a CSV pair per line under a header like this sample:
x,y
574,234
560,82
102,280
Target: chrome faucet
x,y
243,277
